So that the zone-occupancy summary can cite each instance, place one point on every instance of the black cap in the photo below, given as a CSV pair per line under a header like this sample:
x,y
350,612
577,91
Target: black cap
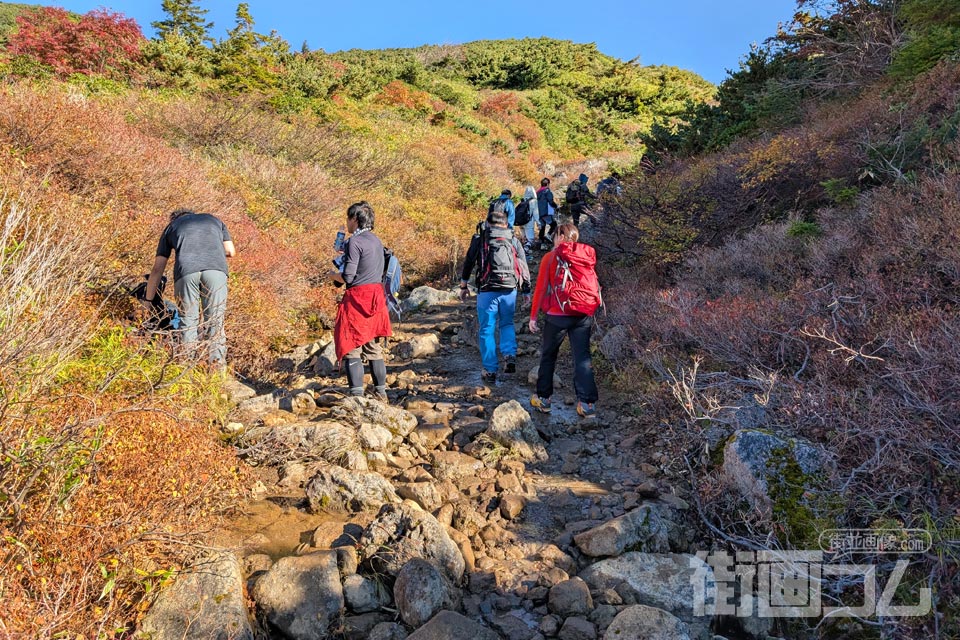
x,y
506,192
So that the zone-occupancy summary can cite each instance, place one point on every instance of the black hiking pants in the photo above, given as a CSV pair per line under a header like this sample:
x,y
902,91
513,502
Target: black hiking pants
x,y
554,330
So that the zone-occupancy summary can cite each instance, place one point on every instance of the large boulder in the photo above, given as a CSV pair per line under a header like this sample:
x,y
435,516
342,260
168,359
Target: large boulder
x,y
421,591
448,625
330,441
511,427
402,532
419,346
451,465
647,528
423,297
336,489
358,411
203,603
665,581
301,596
640,622
764,467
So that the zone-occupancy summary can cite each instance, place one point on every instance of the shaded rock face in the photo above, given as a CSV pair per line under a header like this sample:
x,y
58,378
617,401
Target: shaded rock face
x,y
448,625
511,427
205,603
358,411
570,598
301,596
647,528
402,532
423,297
640,622
665,581
363,595
337,489
753,460
421,591
324,362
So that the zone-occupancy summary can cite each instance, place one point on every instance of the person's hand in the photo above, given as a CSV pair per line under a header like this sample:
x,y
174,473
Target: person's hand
x,y
464,294
533,327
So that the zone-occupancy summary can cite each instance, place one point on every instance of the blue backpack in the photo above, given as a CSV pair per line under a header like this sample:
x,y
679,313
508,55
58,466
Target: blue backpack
x,y
392,279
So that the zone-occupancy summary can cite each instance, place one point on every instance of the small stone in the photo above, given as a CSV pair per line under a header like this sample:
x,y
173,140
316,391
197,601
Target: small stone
x,y
511,506
363,595
549,625
570,598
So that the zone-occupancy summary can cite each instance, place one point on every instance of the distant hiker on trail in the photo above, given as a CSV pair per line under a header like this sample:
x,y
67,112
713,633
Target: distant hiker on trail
x,y
610,186
527,216
202,244
546,211
501,267
362,317
578,193
505,204
569,294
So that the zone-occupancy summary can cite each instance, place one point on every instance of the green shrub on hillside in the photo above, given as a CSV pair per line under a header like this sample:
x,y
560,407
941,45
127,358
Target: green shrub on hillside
x,y
933,32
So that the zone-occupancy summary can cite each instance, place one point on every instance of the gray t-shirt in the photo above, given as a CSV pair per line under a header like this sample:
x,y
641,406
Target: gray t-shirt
x,y
198,240
363,259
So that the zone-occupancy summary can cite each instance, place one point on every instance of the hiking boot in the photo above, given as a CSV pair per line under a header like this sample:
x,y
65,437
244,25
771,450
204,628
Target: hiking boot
x,y
511,365
489,377
586,410
540,404
381,396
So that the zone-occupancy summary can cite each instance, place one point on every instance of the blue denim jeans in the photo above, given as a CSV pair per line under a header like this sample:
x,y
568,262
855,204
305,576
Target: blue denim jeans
x,y
496,308
203,292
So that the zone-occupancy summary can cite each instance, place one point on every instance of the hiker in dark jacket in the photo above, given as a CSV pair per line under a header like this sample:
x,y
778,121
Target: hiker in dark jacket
x,y
577,196
362,316
202,245
547,210
501,267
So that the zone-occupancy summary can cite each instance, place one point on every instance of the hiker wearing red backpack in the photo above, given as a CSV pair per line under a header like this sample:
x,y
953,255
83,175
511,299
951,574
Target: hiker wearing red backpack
x,y
568,293
501,266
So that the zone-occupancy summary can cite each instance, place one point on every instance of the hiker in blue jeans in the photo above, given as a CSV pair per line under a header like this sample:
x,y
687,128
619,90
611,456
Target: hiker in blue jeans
x,y
501,268
202,245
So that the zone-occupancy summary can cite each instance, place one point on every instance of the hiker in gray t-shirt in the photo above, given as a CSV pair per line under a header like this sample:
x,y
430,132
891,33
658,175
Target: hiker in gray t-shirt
x,y
202,244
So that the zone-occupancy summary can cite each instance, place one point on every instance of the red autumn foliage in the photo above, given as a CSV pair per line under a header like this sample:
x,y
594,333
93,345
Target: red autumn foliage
x,y
98,42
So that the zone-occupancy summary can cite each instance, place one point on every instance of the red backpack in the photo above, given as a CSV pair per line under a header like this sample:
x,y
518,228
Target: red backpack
x,y
573,284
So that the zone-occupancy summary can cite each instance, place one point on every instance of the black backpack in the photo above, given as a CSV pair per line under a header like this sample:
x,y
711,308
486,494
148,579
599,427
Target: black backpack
x,y
499,260
575,192
522,214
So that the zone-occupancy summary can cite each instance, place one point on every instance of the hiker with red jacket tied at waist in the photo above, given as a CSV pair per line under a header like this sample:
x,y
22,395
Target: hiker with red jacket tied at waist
x,y
568,292
362,316
501,266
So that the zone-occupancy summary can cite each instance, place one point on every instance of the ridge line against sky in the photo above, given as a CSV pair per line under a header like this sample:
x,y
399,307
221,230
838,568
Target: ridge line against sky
x,y
704,36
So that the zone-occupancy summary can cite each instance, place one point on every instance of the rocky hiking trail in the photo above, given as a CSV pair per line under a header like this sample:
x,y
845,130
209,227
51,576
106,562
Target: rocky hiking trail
x,y
452,512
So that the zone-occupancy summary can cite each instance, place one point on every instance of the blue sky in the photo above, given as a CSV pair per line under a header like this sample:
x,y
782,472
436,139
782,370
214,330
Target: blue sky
x,y
706,36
